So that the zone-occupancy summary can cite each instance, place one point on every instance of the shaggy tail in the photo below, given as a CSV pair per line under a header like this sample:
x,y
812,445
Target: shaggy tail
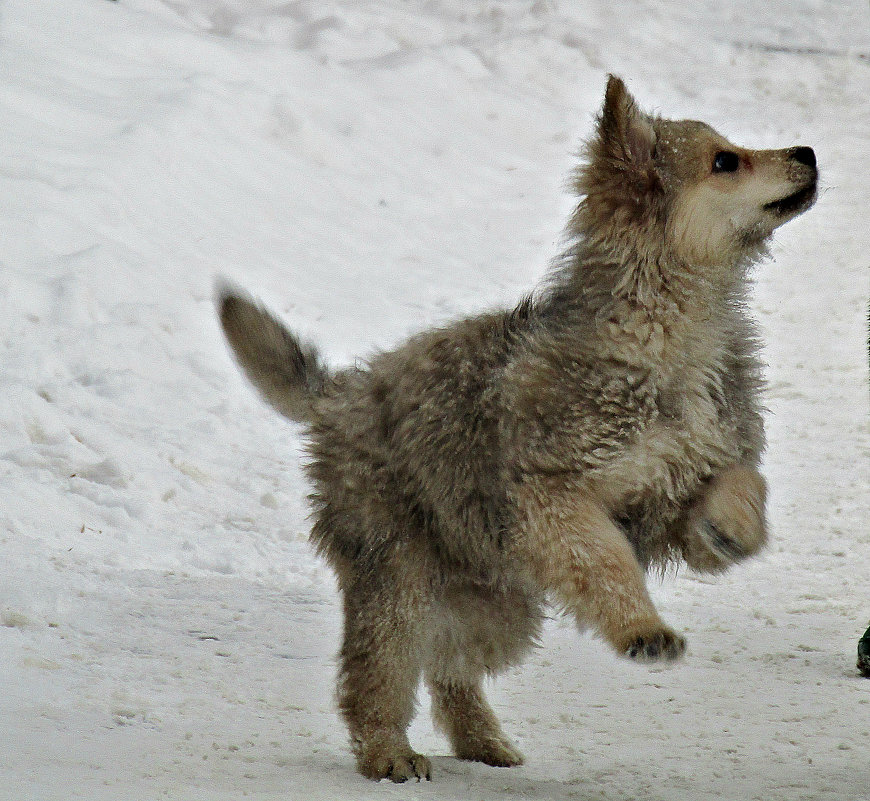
x,y
289,375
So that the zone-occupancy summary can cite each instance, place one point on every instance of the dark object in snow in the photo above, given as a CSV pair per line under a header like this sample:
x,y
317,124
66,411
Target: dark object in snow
x,y
864,654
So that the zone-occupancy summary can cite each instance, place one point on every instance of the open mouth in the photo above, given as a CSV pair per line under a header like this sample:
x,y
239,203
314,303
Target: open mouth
x,y
798,201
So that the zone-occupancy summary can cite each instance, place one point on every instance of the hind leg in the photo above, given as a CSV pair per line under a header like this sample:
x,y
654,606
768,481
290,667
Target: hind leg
x,y
477,631
464,715
380,671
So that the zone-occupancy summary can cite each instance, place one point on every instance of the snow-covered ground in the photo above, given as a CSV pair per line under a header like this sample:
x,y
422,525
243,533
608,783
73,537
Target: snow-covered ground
x,y
368,169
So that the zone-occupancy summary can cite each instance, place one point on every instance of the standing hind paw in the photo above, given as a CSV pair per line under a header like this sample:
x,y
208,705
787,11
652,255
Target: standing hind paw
x,y
397,767
495,751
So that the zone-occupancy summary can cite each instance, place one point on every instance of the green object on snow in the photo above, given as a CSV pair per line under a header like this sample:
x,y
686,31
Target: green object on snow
x,y
864,654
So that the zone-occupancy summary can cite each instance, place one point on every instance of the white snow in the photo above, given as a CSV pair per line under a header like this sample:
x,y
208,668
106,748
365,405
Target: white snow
x,y
368,169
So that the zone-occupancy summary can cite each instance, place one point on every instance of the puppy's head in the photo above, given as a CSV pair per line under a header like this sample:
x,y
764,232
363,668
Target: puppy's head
x,y
677,189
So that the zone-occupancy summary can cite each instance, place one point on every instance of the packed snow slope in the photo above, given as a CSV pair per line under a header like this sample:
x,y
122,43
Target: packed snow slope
x,y
369,169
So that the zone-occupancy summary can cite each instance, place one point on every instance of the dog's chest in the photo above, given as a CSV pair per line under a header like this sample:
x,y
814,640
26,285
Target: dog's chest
x,y
682,444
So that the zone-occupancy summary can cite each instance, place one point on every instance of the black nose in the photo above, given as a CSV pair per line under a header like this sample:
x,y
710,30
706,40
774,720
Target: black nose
x,y
804,155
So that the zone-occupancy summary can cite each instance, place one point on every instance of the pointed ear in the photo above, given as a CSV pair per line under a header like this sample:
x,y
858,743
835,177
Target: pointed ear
x,y
625,132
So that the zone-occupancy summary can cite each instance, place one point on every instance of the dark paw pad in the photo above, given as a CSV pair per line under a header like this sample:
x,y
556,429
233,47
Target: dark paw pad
x,y
724,547
658,646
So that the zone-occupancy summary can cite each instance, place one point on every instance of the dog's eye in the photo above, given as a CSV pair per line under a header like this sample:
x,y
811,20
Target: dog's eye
x,y
726,161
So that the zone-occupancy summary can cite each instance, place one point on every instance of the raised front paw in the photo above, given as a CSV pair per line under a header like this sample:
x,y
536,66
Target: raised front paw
x,y
661,644
728,523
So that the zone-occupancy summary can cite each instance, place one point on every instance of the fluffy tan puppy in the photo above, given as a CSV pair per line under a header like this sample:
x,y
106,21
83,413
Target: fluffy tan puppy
x,y
609,423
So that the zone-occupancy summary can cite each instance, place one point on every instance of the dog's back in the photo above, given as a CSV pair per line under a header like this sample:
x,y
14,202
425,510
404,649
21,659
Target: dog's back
x,y
423,424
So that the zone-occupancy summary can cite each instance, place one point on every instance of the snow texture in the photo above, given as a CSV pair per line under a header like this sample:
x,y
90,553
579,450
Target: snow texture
x,y
369,169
